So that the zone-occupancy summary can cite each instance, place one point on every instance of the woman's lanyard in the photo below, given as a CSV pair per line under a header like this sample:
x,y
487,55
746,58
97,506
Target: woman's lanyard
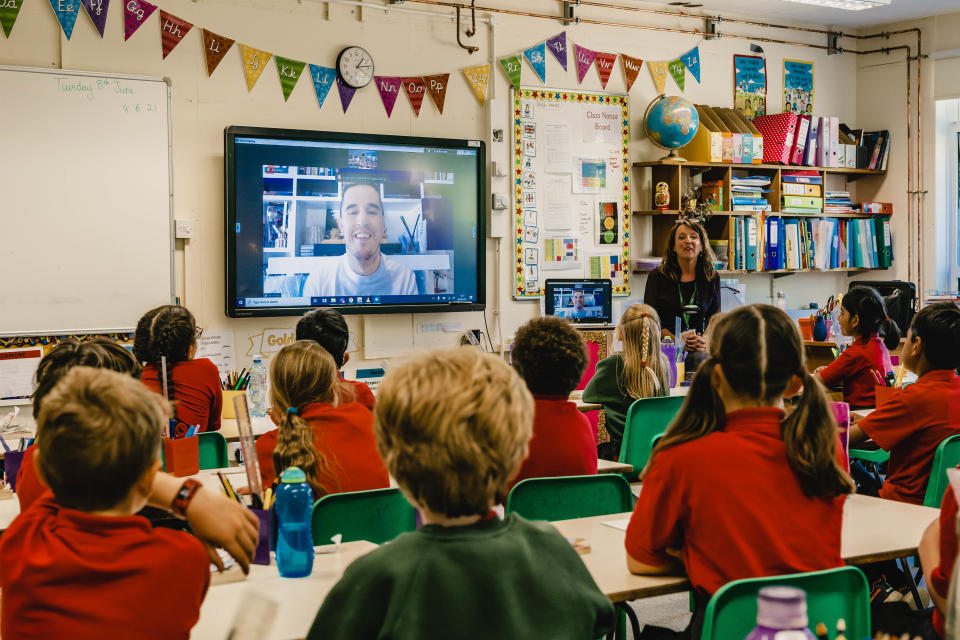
x,y
684,314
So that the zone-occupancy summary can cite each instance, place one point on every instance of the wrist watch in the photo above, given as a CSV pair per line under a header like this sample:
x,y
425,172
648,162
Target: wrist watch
x,y
182,500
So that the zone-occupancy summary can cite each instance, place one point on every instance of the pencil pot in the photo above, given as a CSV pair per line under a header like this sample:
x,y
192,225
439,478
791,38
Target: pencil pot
x,y
669,349
11,465
181,456
228,411
262,553
820,329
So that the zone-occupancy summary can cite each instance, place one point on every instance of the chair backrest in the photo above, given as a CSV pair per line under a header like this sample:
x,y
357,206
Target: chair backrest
x,y
378,515
831,594
566,497
646,418
946,457
213,450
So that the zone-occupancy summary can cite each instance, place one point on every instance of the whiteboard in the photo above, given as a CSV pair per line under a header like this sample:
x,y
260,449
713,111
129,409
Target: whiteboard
x,y
87,192
572,188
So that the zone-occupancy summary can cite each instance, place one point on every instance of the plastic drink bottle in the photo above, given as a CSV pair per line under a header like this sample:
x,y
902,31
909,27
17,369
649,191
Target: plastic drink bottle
x,y
294,538
781,615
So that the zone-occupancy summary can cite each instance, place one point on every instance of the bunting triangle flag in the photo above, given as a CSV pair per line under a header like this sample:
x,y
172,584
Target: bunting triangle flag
x,y
66,14
215,47
658,71
289,72
254,62
585,58
678,71
415,88
437,88
135,13
172,31
97,10
8,15
389,88
477,78
631,67
604,63
346,94
692,60
558,47
536,56
511,67
323,78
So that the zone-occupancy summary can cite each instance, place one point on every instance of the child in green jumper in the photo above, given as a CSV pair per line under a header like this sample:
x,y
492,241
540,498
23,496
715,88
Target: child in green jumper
x,y
452,428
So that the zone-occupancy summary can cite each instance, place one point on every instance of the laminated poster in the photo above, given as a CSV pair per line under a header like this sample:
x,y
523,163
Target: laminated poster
x,y
797,87
750,85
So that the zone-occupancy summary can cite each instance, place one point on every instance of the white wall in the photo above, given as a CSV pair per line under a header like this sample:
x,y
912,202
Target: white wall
x,y
405,45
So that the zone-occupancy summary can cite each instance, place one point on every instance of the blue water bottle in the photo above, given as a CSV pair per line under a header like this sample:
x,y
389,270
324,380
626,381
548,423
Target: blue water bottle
x,y
294,539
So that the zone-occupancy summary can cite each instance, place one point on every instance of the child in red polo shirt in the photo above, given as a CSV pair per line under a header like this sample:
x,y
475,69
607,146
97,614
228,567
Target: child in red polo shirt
x,y
79,563
938,554
192,384
913,423
550,356
331,440
863,316
736,489
327,328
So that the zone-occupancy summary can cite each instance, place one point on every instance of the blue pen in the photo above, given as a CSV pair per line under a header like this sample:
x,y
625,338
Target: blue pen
x,y
173,428
6,447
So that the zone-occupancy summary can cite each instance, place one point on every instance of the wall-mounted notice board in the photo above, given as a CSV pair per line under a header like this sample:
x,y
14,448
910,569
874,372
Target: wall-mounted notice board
x,y
87,200
572,188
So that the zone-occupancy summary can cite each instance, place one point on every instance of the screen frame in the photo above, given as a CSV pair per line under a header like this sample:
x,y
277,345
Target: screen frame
x,y
231,133
551,284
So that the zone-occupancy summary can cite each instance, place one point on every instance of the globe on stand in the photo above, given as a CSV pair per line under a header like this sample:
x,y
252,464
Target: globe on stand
x,y
670,123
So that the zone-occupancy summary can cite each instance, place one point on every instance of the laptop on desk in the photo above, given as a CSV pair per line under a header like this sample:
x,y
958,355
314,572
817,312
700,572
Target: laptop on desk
x,y
587,303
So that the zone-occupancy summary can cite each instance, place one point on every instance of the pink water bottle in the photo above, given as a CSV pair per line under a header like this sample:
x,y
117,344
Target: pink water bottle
x,y
781,615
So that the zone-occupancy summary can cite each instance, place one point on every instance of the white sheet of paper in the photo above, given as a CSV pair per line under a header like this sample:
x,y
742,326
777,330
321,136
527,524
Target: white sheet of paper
x,y
557,212
585,219
601,123
17,368
218,347
556,142
617,524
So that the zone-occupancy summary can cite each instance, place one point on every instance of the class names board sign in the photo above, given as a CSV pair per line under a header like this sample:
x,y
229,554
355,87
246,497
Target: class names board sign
x,y
572,188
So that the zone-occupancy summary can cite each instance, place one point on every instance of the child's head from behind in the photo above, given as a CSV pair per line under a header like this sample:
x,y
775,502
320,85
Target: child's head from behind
x,y
756,353
863,313
550,355
327,328
98,440
646,369
169,331
99,353
934,335
300,374
453,427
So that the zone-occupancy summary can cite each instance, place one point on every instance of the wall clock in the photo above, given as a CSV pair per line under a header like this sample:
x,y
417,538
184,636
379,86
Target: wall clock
x,y
355,67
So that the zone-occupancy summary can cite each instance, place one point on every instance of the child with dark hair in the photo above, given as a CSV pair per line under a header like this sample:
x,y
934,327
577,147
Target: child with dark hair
x,y
550,356
192,384
735,488
863,316
327,328
913,423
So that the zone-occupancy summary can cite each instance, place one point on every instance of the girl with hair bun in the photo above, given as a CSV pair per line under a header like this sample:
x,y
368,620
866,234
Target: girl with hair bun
x,y
193,384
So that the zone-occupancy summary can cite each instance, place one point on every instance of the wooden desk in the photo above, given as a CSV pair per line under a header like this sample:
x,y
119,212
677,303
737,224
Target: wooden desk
x,y
298,599
577,398
611,466
9,509
873,529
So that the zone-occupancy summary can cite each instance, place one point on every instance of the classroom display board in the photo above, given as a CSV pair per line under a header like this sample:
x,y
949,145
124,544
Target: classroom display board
x,y
571,154
87,190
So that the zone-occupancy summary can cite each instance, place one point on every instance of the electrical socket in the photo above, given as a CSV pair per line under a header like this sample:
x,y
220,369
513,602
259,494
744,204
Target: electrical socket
x,y
184,228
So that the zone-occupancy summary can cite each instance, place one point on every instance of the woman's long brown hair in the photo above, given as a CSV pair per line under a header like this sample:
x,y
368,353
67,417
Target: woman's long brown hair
x,y
670,267
759,350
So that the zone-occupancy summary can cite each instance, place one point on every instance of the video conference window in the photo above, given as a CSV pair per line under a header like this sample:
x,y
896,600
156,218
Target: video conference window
x,y
577,303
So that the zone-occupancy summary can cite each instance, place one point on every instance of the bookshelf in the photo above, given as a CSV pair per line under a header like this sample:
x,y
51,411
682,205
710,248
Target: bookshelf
x,y
681,176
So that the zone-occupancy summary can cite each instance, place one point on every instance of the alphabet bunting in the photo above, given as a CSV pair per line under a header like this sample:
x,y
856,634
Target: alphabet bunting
x,y
289,72
678,71
66,11
135,13
511,67
8,15
631,67
692,60
536,56
323,78
415,88
558,47
437,88
477,78
604,63
97,10
254,62
215,47
346,94
172,31
658,71
389,88
585,58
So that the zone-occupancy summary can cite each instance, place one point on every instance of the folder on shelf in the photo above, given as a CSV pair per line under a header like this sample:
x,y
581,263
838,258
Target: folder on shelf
x,y
834,142
800,141
742,138
727,151
757,136
800,189
779,134
810,152
885,240
803,202
707,144
751,242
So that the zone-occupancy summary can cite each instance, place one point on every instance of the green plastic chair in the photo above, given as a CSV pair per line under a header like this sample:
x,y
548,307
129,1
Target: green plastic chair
x,y
946,457
566,497
831,594
647,419
378,516
213,450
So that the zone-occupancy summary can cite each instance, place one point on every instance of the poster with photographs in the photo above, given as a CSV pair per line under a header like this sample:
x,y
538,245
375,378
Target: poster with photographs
x,y
750,85
797,87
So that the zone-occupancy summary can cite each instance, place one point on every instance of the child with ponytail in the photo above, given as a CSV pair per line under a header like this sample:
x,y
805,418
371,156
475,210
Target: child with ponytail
x,y
193,384
863,316
735,488
330,438
640,371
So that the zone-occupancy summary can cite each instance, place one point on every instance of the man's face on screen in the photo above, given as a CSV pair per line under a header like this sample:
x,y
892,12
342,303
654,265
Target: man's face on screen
x,y
361,221
577,299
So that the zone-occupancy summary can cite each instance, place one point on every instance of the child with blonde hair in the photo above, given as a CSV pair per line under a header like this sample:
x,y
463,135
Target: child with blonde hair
x,y
320,428
640,371
453,428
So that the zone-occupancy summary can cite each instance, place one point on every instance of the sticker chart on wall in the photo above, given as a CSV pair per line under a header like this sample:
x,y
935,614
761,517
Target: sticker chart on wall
x,y
571,152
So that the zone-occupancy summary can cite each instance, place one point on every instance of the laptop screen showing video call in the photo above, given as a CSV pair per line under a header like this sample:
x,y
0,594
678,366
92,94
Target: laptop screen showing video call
x,y
580,301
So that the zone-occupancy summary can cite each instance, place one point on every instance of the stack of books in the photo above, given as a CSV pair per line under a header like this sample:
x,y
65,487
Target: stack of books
x,y
747,193
838,202
802,192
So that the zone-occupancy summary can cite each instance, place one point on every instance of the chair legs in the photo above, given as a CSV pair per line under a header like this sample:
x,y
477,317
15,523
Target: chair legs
x,y
624,612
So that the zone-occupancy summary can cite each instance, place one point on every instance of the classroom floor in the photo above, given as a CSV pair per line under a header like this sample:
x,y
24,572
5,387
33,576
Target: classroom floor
x,y
671,611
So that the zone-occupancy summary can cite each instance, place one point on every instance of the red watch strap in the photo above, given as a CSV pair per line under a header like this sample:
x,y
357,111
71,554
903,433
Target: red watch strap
x,y
184,495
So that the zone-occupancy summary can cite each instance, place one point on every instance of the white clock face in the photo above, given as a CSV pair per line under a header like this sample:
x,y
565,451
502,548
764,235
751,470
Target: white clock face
x,y
355,66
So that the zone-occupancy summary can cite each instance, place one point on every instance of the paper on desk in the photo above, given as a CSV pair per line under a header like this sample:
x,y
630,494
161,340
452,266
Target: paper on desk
x,y
218,347
255,617
617,524
17,368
